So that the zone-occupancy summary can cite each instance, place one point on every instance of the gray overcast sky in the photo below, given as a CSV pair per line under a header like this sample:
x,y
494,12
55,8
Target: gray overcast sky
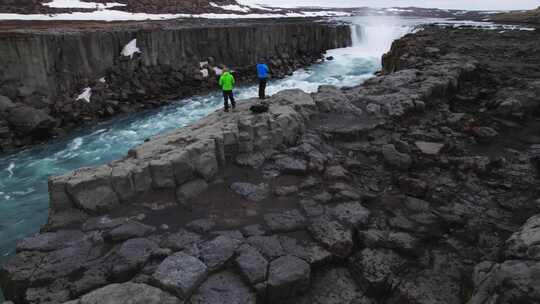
x,y
445,4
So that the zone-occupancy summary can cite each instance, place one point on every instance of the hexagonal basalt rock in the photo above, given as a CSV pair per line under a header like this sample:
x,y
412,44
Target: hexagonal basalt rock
x,y
128,231
251,192
269,246
216,252
352,214
131,255
180,240
332,235
376,269
180,274
334,286
51,241
289,165
252,264
127,293
288,276
201,225
224,287
285,221
91,189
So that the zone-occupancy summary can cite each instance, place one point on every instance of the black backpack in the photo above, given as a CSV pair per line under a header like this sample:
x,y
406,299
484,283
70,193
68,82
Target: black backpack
x,y
259,108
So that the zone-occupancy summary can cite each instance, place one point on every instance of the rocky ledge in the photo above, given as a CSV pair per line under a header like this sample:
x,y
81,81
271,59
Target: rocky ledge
x,y
419,186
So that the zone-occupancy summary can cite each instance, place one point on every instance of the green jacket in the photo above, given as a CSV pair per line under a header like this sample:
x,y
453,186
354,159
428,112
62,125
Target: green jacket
x,y
226,81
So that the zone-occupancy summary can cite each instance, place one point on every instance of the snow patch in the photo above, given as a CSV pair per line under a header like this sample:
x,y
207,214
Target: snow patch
x,y
482,25
262,8
398,10
218,71
202,64
204,73
85,95
115,15
231,7
80,4
130,49
98,15
102,80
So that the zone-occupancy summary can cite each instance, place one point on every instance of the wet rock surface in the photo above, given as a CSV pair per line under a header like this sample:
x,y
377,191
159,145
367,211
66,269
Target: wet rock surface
x,y
433,198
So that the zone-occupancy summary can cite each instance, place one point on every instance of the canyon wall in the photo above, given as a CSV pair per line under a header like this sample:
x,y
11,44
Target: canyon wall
x,y
42,73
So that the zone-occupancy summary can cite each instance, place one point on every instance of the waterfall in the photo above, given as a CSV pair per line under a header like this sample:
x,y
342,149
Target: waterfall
x,y
373,36
356,34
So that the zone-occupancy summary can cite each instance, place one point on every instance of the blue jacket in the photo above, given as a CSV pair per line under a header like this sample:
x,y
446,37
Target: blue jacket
x,y
262,71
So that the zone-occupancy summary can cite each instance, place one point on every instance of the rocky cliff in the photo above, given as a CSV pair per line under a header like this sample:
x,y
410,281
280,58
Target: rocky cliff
x,y
531,16
43,73
420,186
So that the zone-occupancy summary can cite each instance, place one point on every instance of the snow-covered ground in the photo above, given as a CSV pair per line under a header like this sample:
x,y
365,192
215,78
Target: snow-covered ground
x,y
80,4
271,9
106,12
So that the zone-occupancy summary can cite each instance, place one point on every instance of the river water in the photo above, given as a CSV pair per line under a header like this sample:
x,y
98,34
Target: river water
x,y
23,174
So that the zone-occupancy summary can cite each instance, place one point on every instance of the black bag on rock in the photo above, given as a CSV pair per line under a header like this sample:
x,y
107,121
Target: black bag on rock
x,y
259,108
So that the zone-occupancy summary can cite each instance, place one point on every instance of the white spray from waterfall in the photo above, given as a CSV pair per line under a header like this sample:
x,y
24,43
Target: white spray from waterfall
x,y
372,36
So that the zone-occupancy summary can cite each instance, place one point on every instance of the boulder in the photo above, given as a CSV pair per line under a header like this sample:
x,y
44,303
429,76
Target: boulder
x,y
180,274
514,281
287,276
376,270
429,148
27,120
132,293
224,287
525,243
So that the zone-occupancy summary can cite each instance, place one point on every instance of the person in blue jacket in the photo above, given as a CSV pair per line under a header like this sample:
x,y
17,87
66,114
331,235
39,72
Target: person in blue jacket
x,y
263,72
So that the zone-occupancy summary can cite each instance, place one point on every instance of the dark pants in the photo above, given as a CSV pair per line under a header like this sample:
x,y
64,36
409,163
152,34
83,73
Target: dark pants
x,y
228,95
262,88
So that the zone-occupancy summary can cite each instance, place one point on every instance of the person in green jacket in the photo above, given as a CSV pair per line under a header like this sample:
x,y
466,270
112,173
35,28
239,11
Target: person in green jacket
x,y
227,82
